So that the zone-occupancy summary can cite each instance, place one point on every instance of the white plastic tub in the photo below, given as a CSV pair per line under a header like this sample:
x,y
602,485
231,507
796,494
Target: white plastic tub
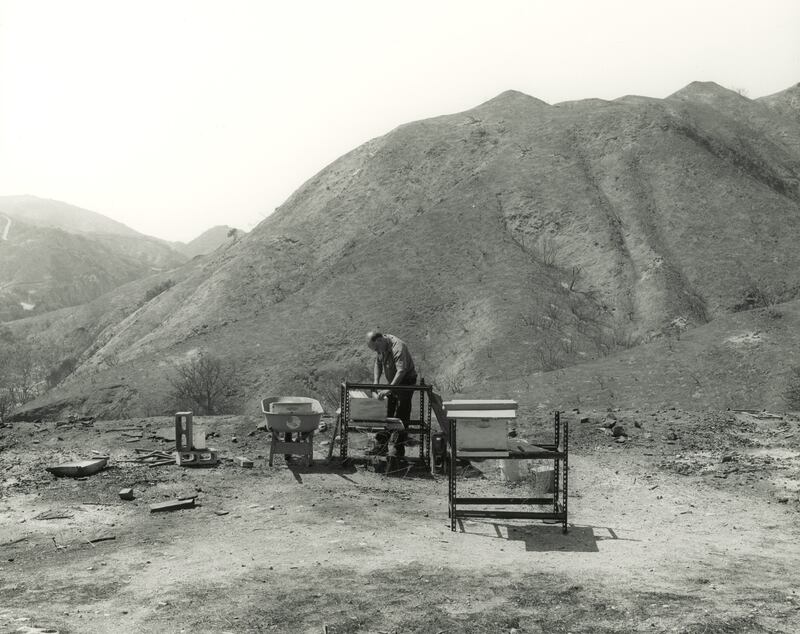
x,y
280,417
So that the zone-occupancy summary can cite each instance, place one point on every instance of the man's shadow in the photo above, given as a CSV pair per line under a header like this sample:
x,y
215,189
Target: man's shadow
x,y
298,467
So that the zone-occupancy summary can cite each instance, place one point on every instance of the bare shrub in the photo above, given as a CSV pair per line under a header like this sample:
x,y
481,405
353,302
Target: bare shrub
x,y
206,385
549,354
760,294
20,373
7,402
547,251
329,395
156,290
61,371
450,381
792,394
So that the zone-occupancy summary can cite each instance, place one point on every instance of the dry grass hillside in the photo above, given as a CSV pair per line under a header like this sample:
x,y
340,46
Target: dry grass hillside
x,y
511,240
208,241
44,269
44,212
54,255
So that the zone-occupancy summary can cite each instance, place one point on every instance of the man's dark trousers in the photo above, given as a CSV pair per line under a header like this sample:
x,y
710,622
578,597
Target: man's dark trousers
x,y
399,406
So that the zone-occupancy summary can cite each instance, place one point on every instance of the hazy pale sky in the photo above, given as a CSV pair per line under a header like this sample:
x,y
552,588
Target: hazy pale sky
x,y
175,115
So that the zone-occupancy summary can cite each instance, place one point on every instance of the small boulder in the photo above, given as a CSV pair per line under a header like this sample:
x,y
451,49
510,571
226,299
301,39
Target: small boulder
x,y
618,431
126,494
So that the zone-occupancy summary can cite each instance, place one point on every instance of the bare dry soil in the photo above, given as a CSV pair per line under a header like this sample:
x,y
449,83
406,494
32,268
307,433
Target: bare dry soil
x,y
690,525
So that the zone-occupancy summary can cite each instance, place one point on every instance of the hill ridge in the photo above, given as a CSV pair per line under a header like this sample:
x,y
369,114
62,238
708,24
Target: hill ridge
x,y
499,242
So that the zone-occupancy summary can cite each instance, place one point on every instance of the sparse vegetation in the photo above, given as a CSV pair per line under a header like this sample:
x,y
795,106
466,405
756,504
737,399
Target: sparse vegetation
x,y
760,294
61,371
206,385
546,251
20,372
450,381
793,389
156,290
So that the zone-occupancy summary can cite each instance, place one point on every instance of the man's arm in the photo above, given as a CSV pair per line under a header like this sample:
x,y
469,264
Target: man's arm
x,y
399,352
398,377
376,371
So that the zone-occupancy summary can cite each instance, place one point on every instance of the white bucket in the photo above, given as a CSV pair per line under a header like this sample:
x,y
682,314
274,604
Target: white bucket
x,y
513,470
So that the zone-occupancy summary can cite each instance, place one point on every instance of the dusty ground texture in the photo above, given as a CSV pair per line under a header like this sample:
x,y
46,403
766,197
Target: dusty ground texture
x,y
690,525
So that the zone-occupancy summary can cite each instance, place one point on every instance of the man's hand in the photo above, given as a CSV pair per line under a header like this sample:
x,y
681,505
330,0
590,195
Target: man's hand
x,y
383,394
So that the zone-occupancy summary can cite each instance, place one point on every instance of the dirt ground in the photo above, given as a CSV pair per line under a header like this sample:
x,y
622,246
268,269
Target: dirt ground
x,y
689,525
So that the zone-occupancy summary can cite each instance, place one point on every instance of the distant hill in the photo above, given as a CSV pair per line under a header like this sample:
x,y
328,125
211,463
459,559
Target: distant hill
x,y
785,102
42,212
54,255
208,241
515,241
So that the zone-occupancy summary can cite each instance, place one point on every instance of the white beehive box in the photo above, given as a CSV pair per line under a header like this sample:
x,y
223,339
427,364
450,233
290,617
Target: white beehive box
x,y
478,435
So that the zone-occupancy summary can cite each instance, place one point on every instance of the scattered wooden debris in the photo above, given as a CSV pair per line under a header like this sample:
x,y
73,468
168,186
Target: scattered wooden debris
x,y
161,463
155,458
101,538
54,515
243,462
173,505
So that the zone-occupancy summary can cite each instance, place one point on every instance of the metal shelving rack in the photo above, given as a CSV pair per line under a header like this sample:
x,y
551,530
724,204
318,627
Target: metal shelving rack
x,y
558,452
419,427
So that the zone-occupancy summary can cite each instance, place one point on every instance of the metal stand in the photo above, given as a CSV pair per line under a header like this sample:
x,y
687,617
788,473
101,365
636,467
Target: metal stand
x,y
558,452
420,427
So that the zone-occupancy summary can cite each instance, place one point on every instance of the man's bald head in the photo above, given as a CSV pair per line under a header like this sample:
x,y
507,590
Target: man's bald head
x,y
373,337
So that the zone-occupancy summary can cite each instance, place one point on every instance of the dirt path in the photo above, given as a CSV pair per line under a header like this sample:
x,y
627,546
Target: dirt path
x,y
648,550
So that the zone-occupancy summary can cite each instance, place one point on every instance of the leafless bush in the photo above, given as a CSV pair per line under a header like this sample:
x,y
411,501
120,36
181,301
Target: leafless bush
x,y
547,251
567,345
206,385
20,373
762,294
450,381
61,371
7,402
792,394
754,296
549,354
329,395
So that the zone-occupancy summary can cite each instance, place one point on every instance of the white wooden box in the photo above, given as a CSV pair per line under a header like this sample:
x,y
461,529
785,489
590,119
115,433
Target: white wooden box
x,y
482,435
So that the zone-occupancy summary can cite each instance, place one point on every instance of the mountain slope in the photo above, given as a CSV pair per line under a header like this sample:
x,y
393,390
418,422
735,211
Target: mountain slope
x,y
208,241
44,269
53,255
512,238
42,212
